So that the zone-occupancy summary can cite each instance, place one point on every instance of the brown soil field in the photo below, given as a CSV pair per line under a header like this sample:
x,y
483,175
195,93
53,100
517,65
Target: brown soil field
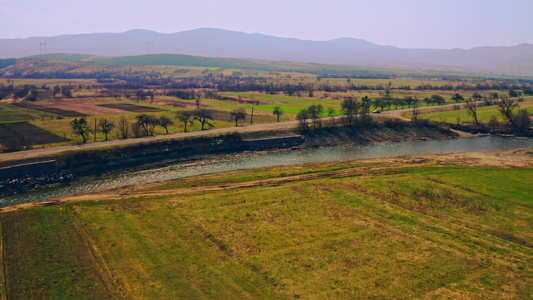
x,y
53,110
174,103
25,134
130,107
84,106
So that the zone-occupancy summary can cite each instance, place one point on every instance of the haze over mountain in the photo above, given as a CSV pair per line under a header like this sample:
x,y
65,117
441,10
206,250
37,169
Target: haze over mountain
x,y
209,42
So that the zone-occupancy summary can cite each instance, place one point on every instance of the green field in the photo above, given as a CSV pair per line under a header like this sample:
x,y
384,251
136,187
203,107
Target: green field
x,y
10,113
289,104
483,114
372,230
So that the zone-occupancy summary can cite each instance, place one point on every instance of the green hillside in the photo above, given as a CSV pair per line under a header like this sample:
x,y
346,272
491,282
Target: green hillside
x,y
261,65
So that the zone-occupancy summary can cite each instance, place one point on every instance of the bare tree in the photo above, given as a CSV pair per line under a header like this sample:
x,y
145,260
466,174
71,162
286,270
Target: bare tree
x,y
106,126
81,127
136,128
302,117
204,116
123,126
316,112
350,108
185,117
506,107
197,102
522,120
471,107
365,110
238,114
493,123
147,122
164,122
416,113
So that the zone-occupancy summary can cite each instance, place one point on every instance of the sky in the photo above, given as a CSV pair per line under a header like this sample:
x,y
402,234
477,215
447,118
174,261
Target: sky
x,y
402,23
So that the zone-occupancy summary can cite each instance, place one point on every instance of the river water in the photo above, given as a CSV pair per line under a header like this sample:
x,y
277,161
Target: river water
x,y
275,159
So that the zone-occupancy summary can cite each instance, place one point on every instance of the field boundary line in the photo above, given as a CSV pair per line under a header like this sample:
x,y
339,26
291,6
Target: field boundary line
x,y
2,257
96,255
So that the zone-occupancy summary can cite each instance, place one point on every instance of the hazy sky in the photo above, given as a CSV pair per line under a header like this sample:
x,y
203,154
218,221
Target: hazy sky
x,y
402,23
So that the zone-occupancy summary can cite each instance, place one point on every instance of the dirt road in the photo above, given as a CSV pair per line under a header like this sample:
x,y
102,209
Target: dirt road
x,y
259,127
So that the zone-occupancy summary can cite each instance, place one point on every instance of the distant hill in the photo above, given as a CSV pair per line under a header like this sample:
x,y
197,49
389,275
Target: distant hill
x,y
208,42
59,65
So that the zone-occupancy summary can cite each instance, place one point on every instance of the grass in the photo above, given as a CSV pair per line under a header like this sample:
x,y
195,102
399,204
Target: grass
x,y
57,261
289,104
411,232
483,114
12,113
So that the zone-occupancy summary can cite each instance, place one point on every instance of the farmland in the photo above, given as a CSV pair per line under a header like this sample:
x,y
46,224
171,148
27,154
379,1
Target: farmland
x,y
131,107
434,226
484,113
51,93
15,113
23,134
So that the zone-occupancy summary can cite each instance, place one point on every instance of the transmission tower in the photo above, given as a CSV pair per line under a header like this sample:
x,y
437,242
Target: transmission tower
x,y
148,45
220,52
41,46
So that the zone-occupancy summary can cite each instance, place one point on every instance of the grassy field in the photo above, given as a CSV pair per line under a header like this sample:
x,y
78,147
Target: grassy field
x,y
55,116
347,230
483,114
161,106
12,113
289,104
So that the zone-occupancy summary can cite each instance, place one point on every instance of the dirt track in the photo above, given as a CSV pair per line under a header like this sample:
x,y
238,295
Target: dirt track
x,y
260,127
507,159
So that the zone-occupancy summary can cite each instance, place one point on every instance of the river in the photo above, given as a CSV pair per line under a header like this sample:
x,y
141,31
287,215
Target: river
x,y
275,159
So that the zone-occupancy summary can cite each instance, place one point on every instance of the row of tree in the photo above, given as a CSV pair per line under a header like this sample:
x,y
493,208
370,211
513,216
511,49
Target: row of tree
x,y
32,92
144,125
358,112
354,112
518,121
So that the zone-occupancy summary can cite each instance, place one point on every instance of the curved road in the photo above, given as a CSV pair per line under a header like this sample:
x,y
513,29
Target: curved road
x,y
259,127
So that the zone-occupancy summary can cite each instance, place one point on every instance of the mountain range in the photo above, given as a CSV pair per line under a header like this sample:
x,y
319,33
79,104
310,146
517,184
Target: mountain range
x,y
210,42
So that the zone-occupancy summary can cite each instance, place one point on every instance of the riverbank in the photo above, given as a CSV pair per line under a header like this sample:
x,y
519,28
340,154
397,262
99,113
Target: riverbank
x,y
522,158
249,159
75,166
